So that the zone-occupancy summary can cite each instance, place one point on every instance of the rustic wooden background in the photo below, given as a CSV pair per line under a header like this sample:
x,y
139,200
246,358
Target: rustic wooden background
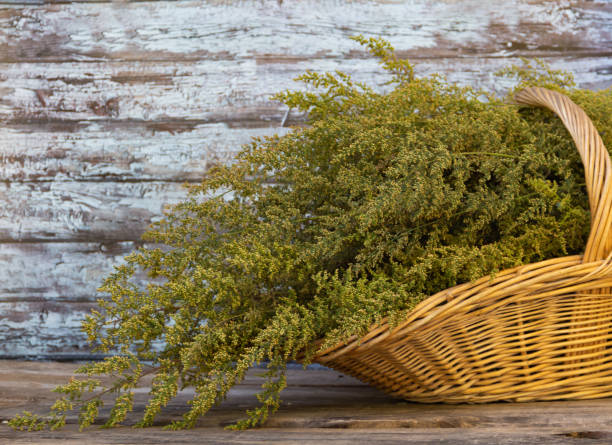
x,y
106,108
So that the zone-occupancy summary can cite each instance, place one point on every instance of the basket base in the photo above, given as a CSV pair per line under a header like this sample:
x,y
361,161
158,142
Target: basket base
x,y
538,349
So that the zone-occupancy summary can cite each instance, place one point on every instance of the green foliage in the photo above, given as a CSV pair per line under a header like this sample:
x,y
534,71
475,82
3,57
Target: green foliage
x,y
536,72
380,201
27,421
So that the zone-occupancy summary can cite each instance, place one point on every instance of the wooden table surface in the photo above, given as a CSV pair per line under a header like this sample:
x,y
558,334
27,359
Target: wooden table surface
x,y
319,406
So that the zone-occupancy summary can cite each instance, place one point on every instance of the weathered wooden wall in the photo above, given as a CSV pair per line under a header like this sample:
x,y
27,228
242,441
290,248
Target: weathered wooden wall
x,y
106,108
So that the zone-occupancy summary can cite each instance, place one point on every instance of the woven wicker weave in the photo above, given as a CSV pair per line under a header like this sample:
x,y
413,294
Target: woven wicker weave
x,y
541,331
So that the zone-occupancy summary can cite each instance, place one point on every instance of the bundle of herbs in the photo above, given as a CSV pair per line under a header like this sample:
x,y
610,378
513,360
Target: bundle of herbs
x,y
378,202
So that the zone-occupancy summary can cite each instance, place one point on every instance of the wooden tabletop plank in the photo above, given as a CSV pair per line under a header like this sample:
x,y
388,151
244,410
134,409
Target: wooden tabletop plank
x,y
318,406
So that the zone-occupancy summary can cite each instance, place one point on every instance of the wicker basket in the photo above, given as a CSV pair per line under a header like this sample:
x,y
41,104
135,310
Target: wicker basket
x,y
541,331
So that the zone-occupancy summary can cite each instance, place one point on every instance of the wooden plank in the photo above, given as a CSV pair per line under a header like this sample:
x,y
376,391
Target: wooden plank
x,y
57,272
208,90
318,407
237,93
82,211
157,436
297,29
179,150
46,289
48,328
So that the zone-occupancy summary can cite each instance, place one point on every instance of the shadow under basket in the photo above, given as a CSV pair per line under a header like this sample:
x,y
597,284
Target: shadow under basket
x,y
541,331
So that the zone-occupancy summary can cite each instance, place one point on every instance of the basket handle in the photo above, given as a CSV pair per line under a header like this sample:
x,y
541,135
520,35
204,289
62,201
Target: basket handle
x,y
597,165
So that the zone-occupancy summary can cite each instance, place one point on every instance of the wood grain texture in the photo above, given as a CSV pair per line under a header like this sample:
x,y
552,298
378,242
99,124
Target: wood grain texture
x,y
74,211
57,272
32,329
171,151
46,289
233,92
107,107
317,407
297,29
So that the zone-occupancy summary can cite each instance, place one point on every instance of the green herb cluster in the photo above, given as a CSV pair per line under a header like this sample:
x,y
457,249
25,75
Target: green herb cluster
x,y
380,201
